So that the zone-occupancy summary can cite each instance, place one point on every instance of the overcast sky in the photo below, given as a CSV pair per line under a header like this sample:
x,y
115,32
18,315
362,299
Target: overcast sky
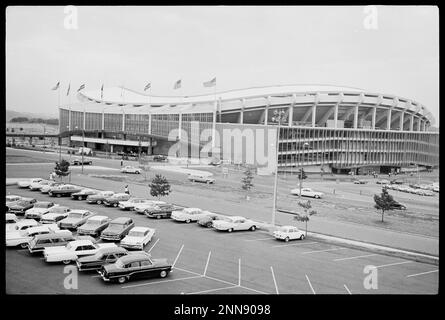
x,y
240,46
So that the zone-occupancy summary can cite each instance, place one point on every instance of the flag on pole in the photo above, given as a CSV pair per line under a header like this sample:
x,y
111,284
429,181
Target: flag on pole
x,y
57,86
68,91
177,85
102,91
210,83
148,86
81,87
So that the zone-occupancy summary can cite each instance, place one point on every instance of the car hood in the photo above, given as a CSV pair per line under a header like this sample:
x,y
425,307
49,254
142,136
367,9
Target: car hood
x,y
95,196
52,215
132,240
70,220
112,232
37,210
14,206
89,227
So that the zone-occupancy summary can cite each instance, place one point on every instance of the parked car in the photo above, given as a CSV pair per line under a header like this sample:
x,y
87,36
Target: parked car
x,y
99,197
188,214
103,256
161,210
64,190
83,194
46,188
398,206
77,161
215,162
130,169
159,158
37,185
39,209
10,220
75,219
27,183
55,214
307,192
360,182
113,201
207,220
436,188
94,226
137,238
396,181
383,181
135,266
21,238
287,233
234,224
12,199
117,229
21,206
22,225
201,178
42,241
132,202
140,208
73,250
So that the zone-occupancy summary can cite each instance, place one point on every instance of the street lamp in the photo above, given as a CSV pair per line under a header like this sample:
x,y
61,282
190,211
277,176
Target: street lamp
x,y
278,117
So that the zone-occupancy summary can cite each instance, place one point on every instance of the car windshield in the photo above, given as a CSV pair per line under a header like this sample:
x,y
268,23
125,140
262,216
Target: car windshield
x,y
69,246
58,209
98,255
76,215
136,234
93,223
22,203
119,264
115,227
41,205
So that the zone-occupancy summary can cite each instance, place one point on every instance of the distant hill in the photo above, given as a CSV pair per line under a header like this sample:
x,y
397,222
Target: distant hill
x,y
14,114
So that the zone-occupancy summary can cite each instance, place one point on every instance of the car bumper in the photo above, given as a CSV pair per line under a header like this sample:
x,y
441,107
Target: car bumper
x,y
33,216
67,226
110,238
86,233
104,277
132,246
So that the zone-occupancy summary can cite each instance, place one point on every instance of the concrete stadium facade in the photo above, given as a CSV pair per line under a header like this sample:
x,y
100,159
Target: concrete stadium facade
x,y
337,128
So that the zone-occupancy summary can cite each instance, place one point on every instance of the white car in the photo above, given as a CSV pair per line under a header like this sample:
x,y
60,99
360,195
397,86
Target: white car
x,y
206,178
132,202
37,185
11,220
130,169
287,233
27,183
234,224
436,188
73,250
12,198
21,238
307,192
47,187
40,208
24,224
137,238
188,214
140,208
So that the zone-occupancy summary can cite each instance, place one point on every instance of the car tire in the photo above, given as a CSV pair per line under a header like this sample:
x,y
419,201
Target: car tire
x,y
163,273
66,261
98,201
252,228
208,182
187,221
24,245
209,225
158,216
50,194
286,239
122,280
115,205
317,197
302,237
230,230
58,195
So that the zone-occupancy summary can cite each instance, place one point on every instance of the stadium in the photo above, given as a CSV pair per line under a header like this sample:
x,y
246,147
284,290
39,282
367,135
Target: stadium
x,y
329,128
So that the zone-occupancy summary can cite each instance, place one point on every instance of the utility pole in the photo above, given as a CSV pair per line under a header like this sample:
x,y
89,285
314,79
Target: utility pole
x,y
278,117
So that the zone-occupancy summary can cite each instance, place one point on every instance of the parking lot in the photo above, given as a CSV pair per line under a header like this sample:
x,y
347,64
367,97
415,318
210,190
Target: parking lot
x,y
206,261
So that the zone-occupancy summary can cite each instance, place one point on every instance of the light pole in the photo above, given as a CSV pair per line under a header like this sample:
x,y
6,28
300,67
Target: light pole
x,y
278,117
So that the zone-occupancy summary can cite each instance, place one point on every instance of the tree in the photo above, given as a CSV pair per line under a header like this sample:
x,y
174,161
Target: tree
x,y
384,202
159,186
19,119
62,168
246,181
306,205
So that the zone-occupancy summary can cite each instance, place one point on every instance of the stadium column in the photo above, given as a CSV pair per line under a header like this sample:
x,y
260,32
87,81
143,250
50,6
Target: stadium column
x,y
374,113
123,119
424,125
291,110
314,109
214,125
103,118
69,118
336,115
362,95
180,126
411,122
149,124
402,119
266,110
241,115
388,119
418,123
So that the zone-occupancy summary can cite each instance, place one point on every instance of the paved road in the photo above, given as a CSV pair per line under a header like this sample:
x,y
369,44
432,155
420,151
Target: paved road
x,y
209,262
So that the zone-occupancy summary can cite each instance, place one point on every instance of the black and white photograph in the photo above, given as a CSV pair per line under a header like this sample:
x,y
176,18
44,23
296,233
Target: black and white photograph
x,y
222,150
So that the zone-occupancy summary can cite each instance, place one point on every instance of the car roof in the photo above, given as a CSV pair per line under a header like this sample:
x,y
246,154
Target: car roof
x,y
141,229
78,211
26,222
135,256
98,218
121,220
37,228
106,250
81,242
43,202
55,234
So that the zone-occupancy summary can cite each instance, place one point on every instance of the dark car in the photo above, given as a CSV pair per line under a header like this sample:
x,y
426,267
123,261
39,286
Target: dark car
x,y
117,229
115,198
21,206
103,256
159,158
160,211
207,220
395,181
94,226
78,161
135,266
83,194
64,190
398,206
38,210
99,197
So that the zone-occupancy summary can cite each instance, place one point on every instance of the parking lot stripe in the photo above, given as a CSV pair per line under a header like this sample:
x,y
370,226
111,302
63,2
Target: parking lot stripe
x,y
161,281
274,281
258,239
422,273
207,263
310,285
153,245
347,289
393,264
356,257
210,290
326,250
177,256
192,272
294,244
239,272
